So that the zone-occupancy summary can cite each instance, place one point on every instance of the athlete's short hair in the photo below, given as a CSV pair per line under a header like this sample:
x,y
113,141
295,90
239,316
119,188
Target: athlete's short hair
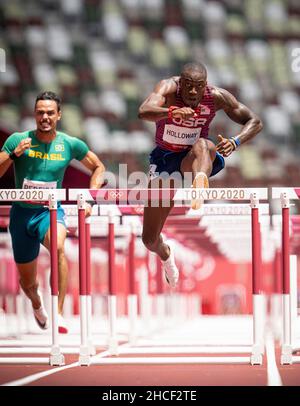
x,y
48,95
192,67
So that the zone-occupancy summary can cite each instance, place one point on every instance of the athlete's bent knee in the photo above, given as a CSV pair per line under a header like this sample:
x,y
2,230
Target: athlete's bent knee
x,y
203,145
28,287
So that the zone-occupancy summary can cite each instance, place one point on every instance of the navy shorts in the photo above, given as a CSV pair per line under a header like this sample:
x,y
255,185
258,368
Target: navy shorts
x,y
170,162
28,227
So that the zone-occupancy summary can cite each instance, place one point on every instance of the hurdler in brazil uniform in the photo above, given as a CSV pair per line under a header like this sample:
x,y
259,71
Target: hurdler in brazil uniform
x,y
40,159
42,166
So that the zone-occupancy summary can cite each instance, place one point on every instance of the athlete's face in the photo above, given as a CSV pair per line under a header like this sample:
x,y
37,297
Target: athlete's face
x,y
46,115
192,86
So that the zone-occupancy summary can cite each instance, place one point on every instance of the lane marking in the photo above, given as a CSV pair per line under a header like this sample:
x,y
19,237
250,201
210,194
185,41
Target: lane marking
x,y
274,378
40,375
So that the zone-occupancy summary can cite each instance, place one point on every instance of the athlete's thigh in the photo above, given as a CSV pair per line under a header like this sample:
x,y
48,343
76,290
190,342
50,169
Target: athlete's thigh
x,y
28,272
61,236
187,162
25,247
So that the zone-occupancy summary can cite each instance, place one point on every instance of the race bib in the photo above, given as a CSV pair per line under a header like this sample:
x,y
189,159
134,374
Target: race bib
x,y
181,135
38,184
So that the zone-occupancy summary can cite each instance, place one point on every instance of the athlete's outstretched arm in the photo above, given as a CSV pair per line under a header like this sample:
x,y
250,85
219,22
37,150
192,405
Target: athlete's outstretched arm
x,y
5,162
154,107
240,114
93,163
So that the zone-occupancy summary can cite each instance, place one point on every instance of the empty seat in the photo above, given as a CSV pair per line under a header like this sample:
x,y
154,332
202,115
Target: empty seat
x,y
97,134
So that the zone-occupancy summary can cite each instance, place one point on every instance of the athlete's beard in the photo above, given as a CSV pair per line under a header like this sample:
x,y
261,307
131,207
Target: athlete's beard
x,y
195,104
192,104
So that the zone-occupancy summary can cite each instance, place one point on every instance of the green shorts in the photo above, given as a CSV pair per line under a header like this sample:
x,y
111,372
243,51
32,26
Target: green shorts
x,y
28,227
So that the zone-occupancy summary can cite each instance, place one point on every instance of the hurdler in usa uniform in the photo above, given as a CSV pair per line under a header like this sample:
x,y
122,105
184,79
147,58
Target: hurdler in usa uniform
x,y
182,108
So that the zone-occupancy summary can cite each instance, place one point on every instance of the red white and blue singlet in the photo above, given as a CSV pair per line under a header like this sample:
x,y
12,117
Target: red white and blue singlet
x,y
176,134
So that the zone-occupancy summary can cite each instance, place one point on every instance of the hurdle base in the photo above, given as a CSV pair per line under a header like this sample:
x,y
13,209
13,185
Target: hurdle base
x,y
286,355
257,354
92,349
113,347
84,356
84,360
286,359
258,349
56,357
256,359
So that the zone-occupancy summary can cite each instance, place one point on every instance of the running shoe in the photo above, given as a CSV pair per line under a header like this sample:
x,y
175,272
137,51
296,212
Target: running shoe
x,y
200,182
169,267
41,317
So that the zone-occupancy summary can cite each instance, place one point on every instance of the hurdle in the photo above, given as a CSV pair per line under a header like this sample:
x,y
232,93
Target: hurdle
x,y
31,344
132,297
184,197
289,275
50,196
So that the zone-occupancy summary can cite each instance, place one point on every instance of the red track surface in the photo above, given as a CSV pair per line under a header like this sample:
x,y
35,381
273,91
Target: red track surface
x,y
152,375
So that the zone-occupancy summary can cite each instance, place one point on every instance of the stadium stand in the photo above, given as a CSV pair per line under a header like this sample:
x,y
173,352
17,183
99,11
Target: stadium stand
x,y
104,56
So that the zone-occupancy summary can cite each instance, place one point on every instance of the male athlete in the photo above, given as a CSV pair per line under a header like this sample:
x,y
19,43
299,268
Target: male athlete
x,y
40,159
182,108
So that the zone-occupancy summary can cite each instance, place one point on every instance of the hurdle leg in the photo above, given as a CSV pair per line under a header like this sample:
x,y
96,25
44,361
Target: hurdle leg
x,y
290,315
145,302
276,297
112,316
286,349
132,313
92,350
56,357
132,297
293,293
112,299
84,353
257,297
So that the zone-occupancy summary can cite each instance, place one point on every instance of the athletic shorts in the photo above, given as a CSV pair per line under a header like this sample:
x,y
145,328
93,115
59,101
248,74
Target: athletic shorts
x,y
162,160
28,227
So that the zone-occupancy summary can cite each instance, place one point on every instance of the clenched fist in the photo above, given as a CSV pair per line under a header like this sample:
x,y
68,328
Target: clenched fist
x,y
183,113
23,145
225,147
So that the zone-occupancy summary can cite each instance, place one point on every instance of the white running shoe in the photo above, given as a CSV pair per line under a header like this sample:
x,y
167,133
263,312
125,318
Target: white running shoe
x,y
170,268
41,317
62,325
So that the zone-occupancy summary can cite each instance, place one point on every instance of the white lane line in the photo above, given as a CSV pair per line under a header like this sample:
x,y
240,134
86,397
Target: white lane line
x,y
35,377
172,360
274,378
186,350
